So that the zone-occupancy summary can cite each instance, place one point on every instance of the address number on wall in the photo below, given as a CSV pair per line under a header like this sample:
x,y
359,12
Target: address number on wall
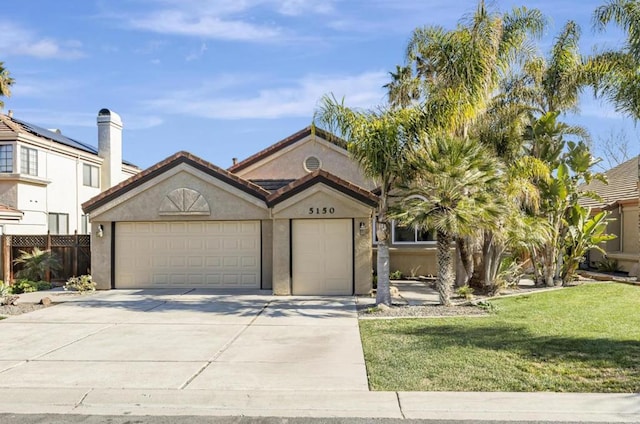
x,y
322,211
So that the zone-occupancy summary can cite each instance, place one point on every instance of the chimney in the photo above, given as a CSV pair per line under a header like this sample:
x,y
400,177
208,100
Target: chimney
x,y
110,148
10,113
234,161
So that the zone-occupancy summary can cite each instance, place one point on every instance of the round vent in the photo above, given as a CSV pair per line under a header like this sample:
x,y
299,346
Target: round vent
x,y
311,163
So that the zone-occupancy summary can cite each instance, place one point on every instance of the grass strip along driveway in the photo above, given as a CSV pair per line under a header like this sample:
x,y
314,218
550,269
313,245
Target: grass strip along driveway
x,y
580,339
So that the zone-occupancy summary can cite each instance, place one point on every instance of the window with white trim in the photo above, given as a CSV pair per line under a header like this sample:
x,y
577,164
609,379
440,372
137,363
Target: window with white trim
x,y
28,161
58,223
6,158
85,227
90,175
406,235
410,235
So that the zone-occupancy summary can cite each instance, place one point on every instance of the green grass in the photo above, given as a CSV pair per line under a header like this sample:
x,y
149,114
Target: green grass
x,y
579,339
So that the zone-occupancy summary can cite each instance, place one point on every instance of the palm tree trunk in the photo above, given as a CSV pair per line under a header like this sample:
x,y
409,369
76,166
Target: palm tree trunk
x,y
383,291
445,279
464,262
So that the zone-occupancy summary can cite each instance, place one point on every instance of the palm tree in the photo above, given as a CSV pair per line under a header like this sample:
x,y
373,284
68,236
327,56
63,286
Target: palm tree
x,y
619,77
36,263
5,83
453,193
458,71
379,141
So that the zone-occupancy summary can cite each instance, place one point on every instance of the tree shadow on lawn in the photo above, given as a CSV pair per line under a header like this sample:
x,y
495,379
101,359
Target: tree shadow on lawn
x,y
597,351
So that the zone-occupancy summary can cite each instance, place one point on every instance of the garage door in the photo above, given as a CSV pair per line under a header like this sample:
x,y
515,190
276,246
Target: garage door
x,y
188,254
322,254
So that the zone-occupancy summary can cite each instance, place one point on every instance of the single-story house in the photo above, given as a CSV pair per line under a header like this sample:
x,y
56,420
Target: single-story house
x,y
620,197
295,218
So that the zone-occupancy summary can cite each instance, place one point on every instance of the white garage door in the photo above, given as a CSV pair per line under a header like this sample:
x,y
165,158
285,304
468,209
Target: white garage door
x,y
188,254
322,254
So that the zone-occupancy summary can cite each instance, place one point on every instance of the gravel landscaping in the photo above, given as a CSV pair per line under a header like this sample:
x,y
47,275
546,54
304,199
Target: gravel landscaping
x,y
20,308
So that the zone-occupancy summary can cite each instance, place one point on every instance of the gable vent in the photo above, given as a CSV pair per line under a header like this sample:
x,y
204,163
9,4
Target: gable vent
x,y
311,163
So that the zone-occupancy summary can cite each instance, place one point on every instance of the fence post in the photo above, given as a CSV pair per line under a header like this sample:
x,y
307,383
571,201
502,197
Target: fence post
x,y
6,258
47,273
75,253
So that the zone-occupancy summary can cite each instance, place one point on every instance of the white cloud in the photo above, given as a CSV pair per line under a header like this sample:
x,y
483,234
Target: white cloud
x,y
298,98
189,23
66,119
19,41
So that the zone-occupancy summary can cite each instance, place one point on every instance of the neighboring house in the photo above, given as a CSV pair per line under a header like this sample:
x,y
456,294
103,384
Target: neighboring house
x,y
295,218
46,176
620,197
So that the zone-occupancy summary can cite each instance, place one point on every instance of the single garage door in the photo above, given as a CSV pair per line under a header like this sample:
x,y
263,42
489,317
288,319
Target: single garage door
x,y
322,255
224,254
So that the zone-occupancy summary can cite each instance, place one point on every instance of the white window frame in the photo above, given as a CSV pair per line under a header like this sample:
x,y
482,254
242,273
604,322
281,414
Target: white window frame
x,y
393,236
13,158
91,168
26,153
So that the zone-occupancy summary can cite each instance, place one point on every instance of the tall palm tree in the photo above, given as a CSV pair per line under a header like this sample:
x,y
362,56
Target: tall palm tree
x,y
453,193
459,72
460,69
5,83
620,79
379,141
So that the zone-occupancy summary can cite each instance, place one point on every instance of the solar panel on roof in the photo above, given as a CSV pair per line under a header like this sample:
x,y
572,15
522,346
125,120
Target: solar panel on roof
x,y
59,138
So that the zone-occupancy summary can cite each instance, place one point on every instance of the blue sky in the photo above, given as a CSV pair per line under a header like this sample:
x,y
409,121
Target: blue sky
x,y
226,78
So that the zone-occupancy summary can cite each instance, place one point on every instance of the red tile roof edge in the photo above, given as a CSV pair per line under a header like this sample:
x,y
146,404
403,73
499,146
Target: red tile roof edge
x,y
170,162
322,176
292,139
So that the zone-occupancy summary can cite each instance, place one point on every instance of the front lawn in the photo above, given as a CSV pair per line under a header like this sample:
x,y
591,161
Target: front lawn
x,y
579,339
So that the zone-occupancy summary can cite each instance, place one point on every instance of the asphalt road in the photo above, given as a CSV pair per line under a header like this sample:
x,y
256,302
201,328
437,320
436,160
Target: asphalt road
x,y
111,419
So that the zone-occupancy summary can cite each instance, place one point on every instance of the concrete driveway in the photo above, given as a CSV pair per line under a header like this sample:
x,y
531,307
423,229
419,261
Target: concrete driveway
x,y
185,339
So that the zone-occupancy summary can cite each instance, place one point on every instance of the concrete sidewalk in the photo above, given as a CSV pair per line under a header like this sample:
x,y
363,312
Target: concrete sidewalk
x,y
559,407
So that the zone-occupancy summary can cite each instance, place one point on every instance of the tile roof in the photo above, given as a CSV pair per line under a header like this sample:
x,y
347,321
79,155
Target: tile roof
x,y
20,126
272,185
292,139
322,176
9,209
623,185
171,162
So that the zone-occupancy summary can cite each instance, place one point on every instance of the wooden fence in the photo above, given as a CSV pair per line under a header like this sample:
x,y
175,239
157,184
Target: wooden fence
x,y
74,252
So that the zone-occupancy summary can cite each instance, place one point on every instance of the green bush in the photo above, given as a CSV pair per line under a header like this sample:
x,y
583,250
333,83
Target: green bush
x,y
608,265
26,286
396,275
80,284
465,291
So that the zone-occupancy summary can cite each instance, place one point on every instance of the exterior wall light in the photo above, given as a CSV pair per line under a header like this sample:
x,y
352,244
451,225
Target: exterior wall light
x,y
363,228
100,231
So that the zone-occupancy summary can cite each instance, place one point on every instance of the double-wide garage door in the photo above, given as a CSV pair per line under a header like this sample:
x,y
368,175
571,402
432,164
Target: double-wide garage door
x,y
224,254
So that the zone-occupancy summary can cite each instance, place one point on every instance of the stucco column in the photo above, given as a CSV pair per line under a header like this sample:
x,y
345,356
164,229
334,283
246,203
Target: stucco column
x,y
281,257
101,236
363,252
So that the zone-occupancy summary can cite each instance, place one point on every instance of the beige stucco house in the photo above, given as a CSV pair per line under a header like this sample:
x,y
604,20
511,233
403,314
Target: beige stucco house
x,y
295,218
620,197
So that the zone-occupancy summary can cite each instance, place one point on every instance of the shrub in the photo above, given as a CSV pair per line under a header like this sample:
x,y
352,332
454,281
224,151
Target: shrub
x,y
608,265
396,275
36,263
26,286
465,291
81,284
6,297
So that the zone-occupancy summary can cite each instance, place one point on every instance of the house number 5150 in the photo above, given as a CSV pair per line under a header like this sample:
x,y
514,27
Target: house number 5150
x,y
321,211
